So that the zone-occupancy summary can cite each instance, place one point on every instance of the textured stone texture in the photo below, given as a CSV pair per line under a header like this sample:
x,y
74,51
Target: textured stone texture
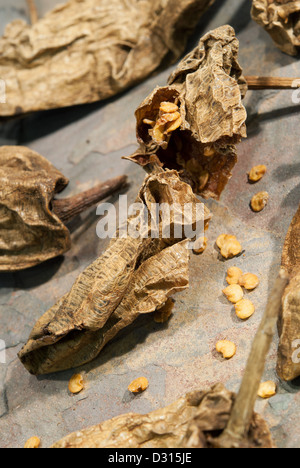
x,y
86,144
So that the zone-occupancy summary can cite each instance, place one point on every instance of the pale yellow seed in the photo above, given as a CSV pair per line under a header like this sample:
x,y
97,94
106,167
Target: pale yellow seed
x,y
244,309
229,246
158,133
200,245
234,293
163,314
267,389
209,151
227,348
168,107
172,126
166,118
32,443
149,122
257,173
233,275
259,201
224,238
138,385
203,179
76,383
249,281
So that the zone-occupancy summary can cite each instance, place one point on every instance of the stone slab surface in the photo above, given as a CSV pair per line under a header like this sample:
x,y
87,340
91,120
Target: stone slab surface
x,y
86,144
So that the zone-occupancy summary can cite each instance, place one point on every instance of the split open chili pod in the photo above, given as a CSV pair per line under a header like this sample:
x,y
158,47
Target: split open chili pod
x,y
193,123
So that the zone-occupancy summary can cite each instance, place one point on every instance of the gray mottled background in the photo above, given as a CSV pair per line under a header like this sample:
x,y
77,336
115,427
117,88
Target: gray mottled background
x,y
86,144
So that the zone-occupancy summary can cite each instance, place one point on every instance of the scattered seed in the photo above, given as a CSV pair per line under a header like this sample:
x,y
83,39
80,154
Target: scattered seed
x,y
227,348
138,385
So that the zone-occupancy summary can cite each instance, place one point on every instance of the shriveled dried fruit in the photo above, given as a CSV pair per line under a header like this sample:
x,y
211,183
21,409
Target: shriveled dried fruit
x,y
210,123
163,314
249,281
108,45
233,275
281,19
227,348
31,218
244,309
76,384
134,276
257,173
32,443
229,246
30,232
288,364
138,385
259,201
200,245
190,422
267,389
234,293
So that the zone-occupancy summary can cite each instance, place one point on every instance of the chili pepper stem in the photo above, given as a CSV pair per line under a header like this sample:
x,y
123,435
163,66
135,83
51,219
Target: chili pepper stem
x,y
242,411
268,82
68,208
32,11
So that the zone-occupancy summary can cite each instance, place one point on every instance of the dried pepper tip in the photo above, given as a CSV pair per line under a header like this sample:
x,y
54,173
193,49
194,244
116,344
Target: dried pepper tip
x,y
138,385
163,314
32,443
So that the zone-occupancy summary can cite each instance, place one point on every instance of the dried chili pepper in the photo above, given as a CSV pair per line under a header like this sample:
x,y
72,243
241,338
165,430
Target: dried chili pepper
x,y
108,46
207,88
190,422
288,364
281,19
200,115
31,220
134,276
